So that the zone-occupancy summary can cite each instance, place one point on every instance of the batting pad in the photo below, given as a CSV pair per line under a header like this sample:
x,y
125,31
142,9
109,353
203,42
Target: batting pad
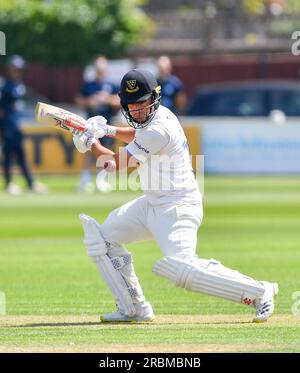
x,y
97,250
209,277
93,240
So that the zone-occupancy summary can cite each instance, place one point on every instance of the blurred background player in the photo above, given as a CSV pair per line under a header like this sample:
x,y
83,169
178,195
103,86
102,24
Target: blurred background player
x,y
172,91
98,96
12,92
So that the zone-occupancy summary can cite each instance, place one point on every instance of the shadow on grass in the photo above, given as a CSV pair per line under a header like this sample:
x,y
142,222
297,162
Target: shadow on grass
x,y
132,323
59,324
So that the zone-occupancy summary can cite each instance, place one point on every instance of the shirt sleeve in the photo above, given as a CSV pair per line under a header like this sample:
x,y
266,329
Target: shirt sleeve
x,y
147,143
107,87
10,94
85,90
18,91
178,85
115,89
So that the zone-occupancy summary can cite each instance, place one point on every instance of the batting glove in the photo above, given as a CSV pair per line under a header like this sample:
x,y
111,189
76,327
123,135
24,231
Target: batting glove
x,y
98,126
84,141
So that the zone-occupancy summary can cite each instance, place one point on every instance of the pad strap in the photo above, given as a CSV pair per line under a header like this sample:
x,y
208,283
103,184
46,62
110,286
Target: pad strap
x,y
120,261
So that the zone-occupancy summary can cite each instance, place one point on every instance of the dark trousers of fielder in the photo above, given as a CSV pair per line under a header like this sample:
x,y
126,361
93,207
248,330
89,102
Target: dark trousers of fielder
x,y
13,148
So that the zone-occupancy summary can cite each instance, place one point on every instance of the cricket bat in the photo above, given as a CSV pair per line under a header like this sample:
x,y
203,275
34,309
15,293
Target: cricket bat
x,y
57,117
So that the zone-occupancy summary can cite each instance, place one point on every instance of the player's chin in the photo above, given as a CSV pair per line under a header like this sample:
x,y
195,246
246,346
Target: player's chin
x,y
140,119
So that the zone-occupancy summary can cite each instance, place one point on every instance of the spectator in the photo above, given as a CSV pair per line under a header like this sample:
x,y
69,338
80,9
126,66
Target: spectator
x,y
172,90
98,97
12,92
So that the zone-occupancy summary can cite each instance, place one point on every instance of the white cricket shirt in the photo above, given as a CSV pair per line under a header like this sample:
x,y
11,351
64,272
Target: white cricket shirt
x,y
165,170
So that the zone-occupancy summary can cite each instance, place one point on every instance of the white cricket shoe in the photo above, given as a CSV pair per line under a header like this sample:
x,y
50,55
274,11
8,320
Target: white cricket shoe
x,y
86,188
265,305
13,189
144,312
39,188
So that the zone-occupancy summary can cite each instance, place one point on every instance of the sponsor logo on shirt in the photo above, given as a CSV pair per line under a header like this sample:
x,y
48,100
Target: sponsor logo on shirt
x,y
141,147
184,144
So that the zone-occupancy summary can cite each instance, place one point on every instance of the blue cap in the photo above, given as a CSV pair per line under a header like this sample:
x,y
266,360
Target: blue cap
x,y
16,62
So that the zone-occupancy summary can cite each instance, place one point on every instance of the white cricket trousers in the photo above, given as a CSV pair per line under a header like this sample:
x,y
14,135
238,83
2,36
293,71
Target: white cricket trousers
x,y
173,226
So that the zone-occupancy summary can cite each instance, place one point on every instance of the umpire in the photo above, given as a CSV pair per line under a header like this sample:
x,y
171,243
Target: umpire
x,y
11,94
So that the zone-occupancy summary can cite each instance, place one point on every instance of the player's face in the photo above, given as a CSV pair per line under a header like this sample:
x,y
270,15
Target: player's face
x,y
140,110
15,74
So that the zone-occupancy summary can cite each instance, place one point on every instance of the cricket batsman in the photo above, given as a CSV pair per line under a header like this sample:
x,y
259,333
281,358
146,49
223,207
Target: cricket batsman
x,y
170,211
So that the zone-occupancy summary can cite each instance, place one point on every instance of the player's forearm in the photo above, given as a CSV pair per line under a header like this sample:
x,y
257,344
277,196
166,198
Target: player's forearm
x,y
80,101
99,150
110,160
114,101
85,102
125,134
181,102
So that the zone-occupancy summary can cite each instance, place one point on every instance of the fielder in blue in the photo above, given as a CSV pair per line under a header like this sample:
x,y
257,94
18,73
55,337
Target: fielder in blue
x,y
97,97
12,92
173,95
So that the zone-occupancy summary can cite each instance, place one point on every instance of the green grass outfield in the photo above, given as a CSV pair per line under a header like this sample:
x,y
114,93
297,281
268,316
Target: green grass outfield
x,y
54,294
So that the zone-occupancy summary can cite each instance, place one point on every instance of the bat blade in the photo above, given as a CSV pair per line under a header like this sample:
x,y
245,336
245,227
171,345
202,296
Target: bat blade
x,y
58,117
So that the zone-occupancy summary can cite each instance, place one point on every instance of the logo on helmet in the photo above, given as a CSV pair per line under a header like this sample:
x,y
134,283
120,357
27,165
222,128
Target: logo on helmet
x,y
131,86
158,89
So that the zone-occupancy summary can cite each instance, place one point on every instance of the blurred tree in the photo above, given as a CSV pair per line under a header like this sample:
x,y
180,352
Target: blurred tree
x,y
275,7
293,5
256,7
71,31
